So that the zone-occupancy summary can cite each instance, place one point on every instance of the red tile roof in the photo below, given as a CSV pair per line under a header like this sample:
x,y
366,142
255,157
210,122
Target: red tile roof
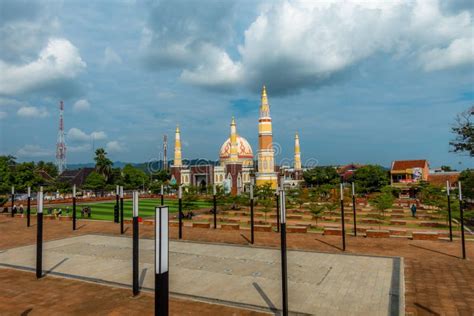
x,y
439,179
408,164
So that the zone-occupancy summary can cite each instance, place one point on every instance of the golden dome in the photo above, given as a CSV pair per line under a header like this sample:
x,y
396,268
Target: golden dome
x,y
245,153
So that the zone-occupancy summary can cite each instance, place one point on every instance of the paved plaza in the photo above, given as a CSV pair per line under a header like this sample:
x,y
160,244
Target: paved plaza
x,y
319,283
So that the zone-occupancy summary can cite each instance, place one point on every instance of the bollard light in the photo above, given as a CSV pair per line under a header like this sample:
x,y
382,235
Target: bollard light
x,y
74,191
282,207
162,190
251,191
180,192
353,189
39,202
121,192
135,203
460,191
447,188
342,191
29,191
214,189
13,190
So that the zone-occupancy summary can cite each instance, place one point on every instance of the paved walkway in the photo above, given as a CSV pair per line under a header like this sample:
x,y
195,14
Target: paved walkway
x,y
323,284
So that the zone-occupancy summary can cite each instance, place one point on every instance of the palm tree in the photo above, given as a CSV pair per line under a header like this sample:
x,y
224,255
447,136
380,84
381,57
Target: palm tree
x,y
103,165
316,210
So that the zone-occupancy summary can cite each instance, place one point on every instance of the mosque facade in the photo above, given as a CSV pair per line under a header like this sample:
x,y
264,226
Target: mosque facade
x,y
237,167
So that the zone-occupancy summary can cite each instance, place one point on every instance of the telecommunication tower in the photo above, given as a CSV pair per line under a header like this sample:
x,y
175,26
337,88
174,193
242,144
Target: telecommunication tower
x,y
61,143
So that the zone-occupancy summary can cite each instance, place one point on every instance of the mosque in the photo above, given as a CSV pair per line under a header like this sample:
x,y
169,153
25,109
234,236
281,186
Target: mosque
x,y
237,167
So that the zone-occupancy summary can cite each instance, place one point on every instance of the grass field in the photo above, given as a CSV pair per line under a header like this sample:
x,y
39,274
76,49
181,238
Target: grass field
x,y
105,210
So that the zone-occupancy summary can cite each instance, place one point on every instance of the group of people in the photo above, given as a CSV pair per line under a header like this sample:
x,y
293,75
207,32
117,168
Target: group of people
x,y
15,209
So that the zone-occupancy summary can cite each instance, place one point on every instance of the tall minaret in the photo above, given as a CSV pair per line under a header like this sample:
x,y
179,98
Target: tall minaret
x,y
177,149
297,165
234,147
266,166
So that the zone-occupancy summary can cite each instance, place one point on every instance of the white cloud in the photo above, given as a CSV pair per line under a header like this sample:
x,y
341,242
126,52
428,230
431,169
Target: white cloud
x,y
81,105
32,111
460,52
33,151
114,146
3,115
58,60
77,135
295,44
79,148
111,57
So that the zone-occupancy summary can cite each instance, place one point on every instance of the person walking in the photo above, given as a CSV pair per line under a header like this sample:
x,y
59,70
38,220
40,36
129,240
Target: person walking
x,y
413,210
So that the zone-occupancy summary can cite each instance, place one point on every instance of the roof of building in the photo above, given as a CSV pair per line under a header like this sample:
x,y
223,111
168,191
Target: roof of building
x,y
77,177
408,164
440,178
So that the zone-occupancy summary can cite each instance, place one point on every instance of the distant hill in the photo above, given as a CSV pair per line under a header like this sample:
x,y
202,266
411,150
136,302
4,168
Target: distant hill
x,y
145,166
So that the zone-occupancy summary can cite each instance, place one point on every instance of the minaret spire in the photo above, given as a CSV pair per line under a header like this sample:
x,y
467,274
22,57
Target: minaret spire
x,y
177,148
233,141
266,165
297,162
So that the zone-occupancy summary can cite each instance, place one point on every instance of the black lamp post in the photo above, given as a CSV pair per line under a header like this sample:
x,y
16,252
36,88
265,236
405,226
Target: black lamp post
x,y
284,271
121,210
354,208
13,200
252,237
461,214
116,208
161,261
39,234
74,207
448,193
214,203
135,263
180,211
162,194
342,216
28,208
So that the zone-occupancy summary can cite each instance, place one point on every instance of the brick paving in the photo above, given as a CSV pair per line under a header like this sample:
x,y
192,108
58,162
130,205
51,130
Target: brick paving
x,y
437,281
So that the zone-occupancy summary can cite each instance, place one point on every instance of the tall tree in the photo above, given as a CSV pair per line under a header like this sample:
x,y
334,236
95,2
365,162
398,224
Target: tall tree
x,y
103,165
464,131
321,175
370,178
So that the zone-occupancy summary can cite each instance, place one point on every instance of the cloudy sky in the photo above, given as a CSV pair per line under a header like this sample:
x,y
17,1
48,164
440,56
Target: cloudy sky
x,y
367,81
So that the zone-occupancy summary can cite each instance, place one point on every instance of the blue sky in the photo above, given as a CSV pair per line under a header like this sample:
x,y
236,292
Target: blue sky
x,y
366,82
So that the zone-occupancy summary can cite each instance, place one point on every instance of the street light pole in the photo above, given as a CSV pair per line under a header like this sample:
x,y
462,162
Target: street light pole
x,y
121,210
252,237
214,203
161,261
74,207
284,271
135,262
342,218
354,208
28,208
180,211
13,200
461,211
39,234
448,193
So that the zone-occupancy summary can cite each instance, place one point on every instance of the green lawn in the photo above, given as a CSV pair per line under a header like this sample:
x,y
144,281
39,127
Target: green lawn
x,y
105,210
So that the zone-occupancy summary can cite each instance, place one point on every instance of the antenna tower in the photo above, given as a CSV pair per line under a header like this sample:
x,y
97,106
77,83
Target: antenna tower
x,y
61,143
